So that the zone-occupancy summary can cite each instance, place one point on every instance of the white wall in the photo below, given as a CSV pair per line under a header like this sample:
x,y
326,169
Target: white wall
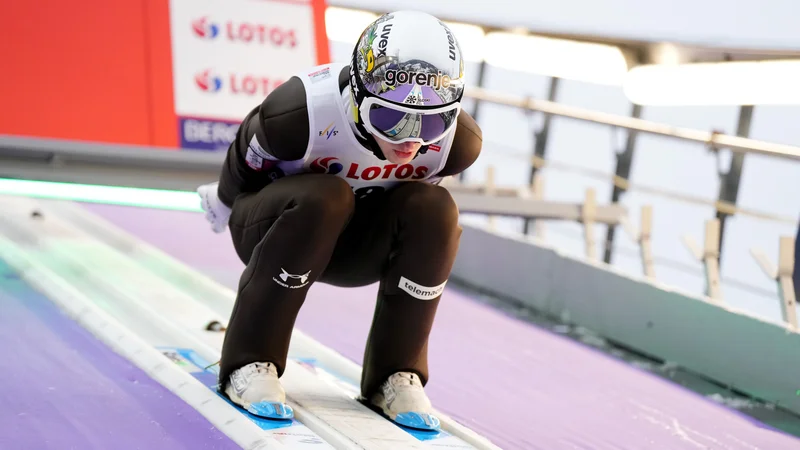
x,y
740,23
767,185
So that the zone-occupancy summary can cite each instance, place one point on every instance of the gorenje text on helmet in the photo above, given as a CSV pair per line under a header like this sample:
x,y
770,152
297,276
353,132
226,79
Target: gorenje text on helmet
x,y
437,81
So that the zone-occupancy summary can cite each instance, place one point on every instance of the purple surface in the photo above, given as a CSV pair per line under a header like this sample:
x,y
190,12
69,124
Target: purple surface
x,y
63,389
520,385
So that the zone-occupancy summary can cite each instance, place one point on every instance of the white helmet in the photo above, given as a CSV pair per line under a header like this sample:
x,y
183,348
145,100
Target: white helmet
x,y
407,78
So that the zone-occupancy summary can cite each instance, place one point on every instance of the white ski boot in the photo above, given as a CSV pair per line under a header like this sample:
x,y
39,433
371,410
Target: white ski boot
x,y
403,400
256,388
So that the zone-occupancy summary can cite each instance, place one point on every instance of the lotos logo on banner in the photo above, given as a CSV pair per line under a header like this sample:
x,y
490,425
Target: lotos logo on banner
x,y
326,165
246,32
236,83
205,29
207,81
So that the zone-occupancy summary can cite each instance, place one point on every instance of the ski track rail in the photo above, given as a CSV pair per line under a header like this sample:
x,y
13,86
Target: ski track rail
x,y
338,419
334,418
202,343
109,331
220,299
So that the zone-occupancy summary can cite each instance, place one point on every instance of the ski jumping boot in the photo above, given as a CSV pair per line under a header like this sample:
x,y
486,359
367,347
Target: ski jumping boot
x,y
402,399
256,388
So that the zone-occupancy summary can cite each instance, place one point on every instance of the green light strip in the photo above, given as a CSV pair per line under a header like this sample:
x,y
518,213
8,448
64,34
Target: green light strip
x,y
112,195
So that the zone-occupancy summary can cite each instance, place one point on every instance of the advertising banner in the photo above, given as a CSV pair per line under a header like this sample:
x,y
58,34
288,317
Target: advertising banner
x,y
229,55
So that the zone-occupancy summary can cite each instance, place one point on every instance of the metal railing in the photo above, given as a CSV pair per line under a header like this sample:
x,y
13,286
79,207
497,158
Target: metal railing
x,y
725,205
712,139
625,184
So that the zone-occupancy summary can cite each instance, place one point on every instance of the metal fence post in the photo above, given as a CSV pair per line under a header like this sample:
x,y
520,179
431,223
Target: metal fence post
x,y
622,172
796,269
540,141
729,181
476,105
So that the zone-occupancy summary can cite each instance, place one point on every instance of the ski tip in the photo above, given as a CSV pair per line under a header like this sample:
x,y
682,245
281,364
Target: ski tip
x,y
271,410
419,421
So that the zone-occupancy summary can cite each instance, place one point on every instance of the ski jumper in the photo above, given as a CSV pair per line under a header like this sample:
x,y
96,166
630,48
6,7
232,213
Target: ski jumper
x,y
311,203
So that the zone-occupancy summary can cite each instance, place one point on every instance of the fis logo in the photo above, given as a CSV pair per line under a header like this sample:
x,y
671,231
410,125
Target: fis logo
x,y
207,81
205,29
326,165
329,132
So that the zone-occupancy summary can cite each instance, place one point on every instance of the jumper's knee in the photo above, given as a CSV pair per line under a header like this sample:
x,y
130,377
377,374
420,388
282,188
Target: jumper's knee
x,y
328,201
428,238
432,211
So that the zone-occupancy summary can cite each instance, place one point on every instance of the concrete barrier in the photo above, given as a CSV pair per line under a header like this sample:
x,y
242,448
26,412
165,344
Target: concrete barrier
x,y
753,355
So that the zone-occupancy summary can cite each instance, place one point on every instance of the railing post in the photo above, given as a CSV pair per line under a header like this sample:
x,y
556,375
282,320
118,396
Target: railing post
x,y
796,268
540,141
622,172
729,181
489,190
537,193
477,103
786,286
711,259
645,243
709,256
783,275
588,215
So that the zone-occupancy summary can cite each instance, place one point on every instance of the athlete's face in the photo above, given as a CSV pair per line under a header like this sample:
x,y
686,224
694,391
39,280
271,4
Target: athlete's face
x,y
398,153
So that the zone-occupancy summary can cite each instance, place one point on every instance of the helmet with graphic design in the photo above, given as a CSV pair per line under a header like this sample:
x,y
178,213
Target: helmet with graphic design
x,y
407,78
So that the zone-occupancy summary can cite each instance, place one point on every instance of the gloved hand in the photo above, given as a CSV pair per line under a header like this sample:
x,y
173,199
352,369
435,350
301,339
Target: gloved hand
x,y
216,211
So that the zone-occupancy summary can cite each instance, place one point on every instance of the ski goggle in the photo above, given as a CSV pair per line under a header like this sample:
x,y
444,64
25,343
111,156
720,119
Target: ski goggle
x,y
396,124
